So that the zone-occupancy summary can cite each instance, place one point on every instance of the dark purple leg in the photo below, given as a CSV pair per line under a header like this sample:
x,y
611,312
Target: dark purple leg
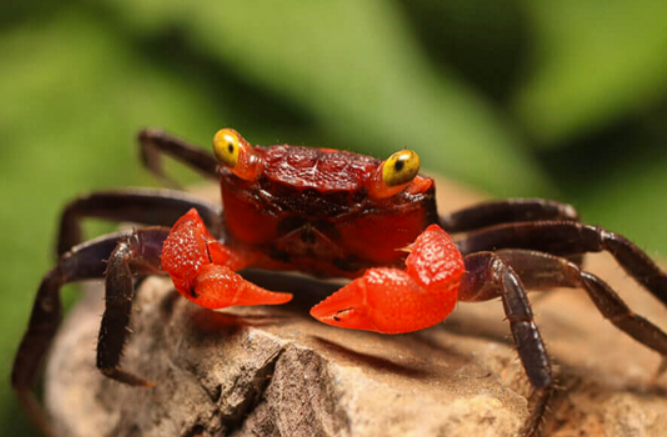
x,y
487,274
129,253
485,280
570,238
152,207
543,271
136,254
506,211
154,142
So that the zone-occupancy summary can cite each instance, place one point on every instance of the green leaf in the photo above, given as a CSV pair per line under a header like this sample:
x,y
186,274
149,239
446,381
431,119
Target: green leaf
x,y
593,62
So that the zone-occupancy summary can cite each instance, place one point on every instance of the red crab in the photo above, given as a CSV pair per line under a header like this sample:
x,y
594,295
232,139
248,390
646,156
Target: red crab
x,y
330,213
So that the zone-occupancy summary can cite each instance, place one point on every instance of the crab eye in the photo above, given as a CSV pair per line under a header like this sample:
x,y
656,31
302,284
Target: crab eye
x,y
226,147
400,168
238,155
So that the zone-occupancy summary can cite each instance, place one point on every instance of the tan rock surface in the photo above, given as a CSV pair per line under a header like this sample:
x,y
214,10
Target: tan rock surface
x,y
273,371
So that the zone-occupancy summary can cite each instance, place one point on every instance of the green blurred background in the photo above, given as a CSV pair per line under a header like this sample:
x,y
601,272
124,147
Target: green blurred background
x,y
565,99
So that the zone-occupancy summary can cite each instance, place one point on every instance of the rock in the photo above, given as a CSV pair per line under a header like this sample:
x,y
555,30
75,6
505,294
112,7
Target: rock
x,y
274,371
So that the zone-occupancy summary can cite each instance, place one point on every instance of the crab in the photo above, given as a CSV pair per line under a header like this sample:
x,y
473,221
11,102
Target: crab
x,y
329,213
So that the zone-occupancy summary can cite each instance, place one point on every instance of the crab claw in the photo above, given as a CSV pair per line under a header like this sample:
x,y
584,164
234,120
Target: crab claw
x,y
202,269
393,301
384,300
346,308
218,287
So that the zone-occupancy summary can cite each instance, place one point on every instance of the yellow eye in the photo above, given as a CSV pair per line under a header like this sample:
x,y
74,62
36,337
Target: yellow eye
x,y
226,147
400,168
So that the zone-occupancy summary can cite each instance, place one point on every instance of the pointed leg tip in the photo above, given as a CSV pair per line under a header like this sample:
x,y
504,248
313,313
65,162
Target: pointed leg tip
x,y
662,368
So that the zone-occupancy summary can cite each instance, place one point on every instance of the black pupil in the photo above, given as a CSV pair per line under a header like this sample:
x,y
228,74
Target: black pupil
x,y
230,147
399,165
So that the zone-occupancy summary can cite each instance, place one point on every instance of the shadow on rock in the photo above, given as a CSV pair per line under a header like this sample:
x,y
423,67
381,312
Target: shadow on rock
x,y
377,363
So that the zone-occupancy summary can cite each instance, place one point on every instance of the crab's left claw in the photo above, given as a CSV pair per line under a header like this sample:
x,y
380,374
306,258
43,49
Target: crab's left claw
x,y
383,300
394,301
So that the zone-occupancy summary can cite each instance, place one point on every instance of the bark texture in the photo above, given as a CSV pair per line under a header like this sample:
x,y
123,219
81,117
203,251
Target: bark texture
x,y
273,371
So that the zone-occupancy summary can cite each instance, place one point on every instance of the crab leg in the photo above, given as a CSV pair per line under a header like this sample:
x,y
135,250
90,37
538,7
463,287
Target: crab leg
x,y
203,269
153,207
571,238
137,254
393,301
132,252
488,275
506,211
153,142
540,270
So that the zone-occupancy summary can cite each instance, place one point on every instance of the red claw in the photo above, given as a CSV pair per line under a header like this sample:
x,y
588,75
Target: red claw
x,y
202,269
394,301
219,287
345,308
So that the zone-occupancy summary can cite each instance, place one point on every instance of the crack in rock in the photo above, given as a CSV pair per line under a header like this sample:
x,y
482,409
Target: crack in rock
x,y
300,401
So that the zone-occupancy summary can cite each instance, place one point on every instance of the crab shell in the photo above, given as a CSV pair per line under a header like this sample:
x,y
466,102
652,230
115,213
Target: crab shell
x,y
310,210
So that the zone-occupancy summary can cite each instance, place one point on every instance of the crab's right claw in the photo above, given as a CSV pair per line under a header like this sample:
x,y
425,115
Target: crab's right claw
x,y
383,300
393,301
218,287
202,269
